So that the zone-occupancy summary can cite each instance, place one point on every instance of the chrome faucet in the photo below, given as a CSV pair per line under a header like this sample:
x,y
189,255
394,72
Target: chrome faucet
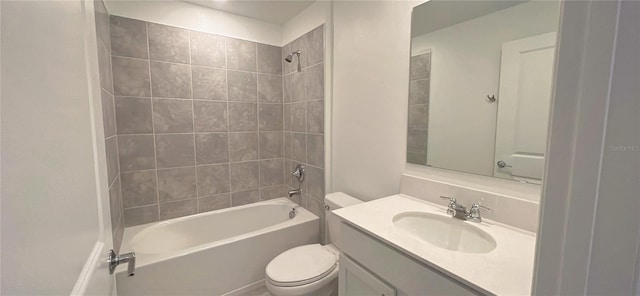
x,y
299,174
459,211
115,260
294,192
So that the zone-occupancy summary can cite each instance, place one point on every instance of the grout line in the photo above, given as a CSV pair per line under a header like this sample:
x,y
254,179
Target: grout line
x,y
193,122
258,128
153,128
226,78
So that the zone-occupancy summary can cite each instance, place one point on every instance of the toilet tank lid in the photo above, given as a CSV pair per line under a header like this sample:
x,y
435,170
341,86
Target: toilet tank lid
x,y
339,200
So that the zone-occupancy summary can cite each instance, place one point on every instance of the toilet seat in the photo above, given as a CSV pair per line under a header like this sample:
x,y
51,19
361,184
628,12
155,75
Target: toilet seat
x,y
301,265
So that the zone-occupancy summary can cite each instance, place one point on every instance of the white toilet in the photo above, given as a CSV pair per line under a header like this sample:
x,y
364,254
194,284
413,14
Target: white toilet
x,y
311,270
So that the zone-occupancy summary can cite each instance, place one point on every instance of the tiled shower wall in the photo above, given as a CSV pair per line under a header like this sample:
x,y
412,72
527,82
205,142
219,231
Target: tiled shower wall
x,y
418,126
108,114
200,120
304,118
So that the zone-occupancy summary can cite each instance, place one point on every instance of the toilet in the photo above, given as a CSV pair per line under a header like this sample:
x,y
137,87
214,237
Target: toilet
x,y
311,270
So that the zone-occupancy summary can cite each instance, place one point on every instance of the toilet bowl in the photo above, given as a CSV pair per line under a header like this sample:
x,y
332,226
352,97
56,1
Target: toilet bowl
x,y
311,270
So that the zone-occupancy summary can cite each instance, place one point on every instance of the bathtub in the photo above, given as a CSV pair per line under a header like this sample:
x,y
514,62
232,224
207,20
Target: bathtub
x,y
213,253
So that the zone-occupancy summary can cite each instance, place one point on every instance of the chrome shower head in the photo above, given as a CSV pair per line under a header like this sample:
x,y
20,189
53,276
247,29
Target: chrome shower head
x,y
289,59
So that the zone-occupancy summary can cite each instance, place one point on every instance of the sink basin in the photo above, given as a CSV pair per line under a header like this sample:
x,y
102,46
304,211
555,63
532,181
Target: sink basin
x,y
445,232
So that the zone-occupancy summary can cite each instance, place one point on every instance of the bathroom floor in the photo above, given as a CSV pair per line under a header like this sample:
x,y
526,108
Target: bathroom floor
x,y
258,291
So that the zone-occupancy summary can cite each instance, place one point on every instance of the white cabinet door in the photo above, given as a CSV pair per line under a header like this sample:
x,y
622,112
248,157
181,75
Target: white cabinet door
x,y
55,206
356,281
526,75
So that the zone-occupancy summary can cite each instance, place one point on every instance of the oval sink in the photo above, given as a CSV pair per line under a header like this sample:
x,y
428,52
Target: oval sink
x,y
445,232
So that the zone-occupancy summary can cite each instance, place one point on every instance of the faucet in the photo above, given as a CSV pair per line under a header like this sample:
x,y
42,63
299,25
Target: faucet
x,y
459,211
294,192
115,260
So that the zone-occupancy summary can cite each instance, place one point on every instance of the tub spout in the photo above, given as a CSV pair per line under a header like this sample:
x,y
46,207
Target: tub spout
x,y
294,192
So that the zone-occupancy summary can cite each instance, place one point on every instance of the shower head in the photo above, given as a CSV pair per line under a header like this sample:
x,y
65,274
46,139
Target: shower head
x,y
289,59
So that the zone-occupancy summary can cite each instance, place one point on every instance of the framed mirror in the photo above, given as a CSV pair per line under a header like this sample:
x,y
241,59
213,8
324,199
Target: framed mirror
x,y
480,86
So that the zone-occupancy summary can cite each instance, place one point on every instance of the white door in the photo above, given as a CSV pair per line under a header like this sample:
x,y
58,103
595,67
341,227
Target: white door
x,y
526,71
55,209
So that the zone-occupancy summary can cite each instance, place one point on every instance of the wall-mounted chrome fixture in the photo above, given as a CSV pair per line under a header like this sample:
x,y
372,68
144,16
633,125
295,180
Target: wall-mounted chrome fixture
x,y
299,174
115,260
289,59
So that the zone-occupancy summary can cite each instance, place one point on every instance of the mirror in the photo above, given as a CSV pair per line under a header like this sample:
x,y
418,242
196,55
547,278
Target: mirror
x,y
480,86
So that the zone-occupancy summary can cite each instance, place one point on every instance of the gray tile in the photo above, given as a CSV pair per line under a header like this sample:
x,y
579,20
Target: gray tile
x,y
243,86
269,59
270,117
315,206
209,83
176,184
108,114
287,89
420,67
139,188
169,44
417,141
136,152
111,149
207,50
104,66
314,82
417,158
128,37
244,175
102,23
315,182
419,116
172,116
297,87
299,117
133,115
245,197
175,150
269,88
315,117
210,116
118,234
419,92
289,168
271,172
141,215
241,55
315,45
243,146
286,148
213,179
271,145
272,192
212,148
286,118
315,150
243,117
170,80
131,77
214,202
178,209
299,147
115,202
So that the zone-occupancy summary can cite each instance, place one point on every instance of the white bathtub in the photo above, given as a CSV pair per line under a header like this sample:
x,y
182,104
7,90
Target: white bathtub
x,y
212,253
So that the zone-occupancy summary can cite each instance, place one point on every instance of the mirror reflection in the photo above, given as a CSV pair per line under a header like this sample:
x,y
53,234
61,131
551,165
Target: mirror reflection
x,y
480,86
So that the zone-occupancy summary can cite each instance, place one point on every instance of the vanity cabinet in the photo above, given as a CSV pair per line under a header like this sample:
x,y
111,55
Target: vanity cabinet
x,y
357,281
371,267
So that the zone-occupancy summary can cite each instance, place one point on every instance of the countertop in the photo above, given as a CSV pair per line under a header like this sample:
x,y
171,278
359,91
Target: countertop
x,y
506,270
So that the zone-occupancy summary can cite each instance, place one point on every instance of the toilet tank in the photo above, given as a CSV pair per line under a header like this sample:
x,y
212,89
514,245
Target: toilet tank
x,y
334,201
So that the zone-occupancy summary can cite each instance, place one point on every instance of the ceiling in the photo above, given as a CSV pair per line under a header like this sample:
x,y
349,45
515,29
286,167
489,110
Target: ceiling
x,y
439,14
271,11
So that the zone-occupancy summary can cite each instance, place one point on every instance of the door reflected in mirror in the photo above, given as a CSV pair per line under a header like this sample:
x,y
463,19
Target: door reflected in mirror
x,y
480,86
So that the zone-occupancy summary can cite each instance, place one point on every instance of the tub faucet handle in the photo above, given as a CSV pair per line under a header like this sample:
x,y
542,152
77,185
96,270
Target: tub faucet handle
x,y
115,260
299,172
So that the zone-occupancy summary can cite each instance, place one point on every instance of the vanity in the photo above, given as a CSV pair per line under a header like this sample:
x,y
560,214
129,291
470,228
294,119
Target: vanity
x,y
402,245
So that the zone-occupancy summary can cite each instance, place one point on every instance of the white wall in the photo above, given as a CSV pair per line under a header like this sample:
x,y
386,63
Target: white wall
x,y
371,85
310,18
198,18
465,68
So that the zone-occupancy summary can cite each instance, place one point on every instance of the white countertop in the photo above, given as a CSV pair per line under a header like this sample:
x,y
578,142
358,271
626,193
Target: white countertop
x,y
506,270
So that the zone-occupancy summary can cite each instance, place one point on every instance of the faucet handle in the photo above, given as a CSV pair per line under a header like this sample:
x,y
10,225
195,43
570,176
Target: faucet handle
x,y
474,212
478,206
451,207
